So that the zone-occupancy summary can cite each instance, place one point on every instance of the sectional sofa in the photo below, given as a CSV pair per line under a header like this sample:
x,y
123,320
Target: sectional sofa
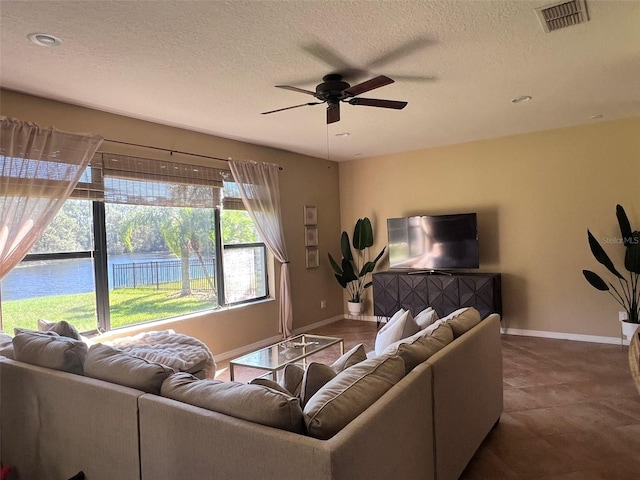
x,y
427,426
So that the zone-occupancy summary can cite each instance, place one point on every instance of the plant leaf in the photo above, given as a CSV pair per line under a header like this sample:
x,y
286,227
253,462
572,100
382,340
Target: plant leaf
x,y
625,226
632,255
334,265
347,271
595,280
367,268
362,234
379,255
601,256
367,285
345,247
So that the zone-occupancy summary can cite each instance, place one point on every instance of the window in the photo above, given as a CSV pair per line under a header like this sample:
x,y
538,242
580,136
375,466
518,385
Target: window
x,y
155,240
57,281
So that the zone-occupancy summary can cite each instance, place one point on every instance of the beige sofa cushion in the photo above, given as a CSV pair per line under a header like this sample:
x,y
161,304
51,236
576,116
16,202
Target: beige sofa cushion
x,y
6,345
254,403
107,363
349,394
419,347
265,382
50,350
350,358
399,327
463,320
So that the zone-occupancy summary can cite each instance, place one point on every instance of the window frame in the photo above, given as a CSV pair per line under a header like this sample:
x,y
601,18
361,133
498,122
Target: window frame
x,y
92,191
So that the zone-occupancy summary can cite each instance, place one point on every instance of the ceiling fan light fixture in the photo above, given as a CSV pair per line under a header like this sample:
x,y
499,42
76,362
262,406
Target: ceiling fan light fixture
x,y
44,39
522,99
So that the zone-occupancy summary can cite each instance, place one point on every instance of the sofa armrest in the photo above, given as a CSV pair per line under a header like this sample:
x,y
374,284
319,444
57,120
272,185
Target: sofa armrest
x,y
467,395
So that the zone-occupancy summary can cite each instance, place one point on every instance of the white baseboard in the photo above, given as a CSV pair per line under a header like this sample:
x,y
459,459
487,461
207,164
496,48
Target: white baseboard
x,y
364,318
564,336
371,318
271,340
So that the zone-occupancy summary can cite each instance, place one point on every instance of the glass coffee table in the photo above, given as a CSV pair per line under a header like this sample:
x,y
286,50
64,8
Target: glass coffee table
x,y
292,350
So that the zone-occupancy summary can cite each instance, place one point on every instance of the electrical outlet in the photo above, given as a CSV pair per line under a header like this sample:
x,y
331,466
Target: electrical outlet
x,y
622,316
323,304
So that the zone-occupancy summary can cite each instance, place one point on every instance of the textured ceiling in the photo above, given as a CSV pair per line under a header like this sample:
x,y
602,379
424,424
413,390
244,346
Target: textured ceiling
x,y
211,66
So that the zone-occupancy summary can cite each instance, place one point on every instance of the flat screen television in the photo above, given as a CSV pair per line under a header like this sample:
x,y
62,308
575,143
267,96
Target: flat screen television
x,y
434,242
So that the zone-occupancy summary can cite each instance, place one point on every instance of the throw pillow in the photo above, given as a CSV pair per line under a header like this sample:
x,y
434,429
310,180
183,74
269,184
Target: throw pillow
x,y
403,327
254,403
350,358
349,394
106,363
50,350
463,320
396,316
62,328
425,318
291,379
315,377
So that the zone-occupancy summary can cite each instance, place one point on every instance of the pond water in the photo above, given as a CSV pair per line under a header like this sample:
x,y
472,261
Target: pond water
x,y
41,279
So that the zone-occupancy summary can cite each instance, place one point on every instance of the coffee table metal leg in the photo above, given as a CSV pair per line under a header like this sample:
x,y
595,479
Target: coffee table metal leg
x,y
231,371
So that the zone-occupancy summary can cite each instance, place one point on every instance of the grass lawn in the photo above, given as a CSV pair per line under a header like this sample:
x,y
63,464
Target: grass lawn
x,y
128,306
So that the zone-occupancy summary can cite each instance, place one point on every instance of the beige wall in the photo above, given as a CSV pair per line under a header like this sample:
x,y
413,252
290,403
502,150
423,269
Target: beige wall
x,y
304,181
535,195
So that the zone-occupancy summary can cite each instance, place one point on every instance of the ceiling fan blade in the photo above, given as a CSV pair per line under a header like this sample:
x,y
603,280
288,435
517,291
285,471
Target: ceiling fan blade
x,y
333,59
375,102
415,78
333,113
289,108
399,52
376,82
296,89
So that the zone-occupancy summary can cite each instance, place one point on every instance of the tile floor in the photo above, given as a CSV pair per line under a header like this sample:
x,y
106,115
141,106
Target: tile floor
x,y
571,409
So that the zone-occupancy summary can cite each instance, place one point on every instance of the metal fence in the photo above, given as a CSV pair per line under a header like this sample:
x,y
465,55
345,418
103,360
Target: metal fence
x,y
165,275
245,274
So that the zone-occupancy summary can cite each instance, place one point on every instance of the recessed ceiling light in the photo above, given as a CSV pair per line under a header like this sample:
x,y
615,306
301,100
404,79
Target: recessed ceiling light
x,y
594,117
522,99
343,134
44,39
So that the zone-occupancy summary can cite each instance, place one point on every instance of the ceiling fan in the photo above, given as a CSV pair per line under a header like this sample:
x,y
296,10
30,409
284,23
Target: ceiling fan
x,y
334,90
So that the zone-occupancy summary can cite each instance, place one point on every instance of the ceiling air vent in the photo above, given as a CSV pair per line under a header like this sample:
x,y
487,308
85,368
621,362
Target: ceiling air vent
x,y
562,15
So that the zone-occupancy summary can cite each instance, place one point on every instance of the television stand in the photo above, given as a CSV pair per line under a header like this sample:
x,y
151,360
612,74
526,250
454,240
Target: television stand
x,y
444,291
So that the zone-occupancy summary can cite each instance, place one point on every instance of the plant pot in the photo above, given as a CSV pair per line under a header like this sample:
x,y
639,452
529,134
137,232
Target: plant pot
x,y
355,308
629,329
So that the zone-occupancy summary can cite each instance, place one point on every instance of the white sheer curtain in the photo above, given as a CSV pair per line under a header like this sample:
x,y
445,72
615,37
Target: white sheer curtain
x,y
260,191
39,167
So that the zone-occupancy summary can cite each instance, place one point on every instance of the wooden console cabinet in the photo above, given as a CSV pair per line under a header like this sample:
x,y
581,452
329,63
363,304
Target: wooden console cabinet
x,y
445,293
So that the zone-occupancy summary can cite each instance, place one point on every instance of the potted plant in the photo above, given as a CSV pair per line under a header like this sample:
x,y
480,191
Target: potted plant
x,y
353,271
627,294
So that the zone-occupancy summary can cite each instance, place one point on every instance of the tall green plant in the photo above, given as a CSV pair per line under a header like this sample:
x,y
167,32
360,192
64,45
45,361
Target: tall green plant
x,y
628,294
352,272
